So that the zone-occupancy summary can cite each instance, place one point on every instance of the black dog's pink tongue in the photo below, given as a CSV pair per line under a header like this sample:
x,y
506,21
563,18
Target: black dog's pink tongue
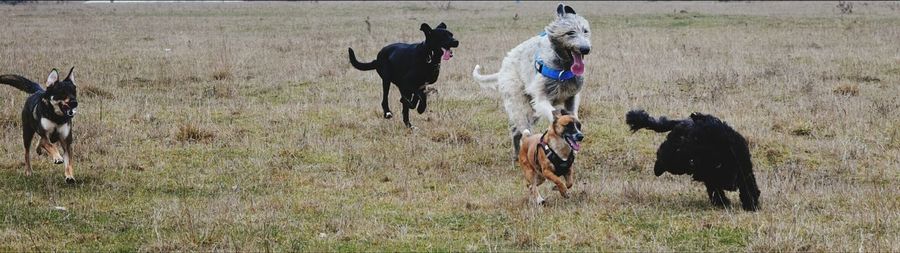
x,y
578,65
447,54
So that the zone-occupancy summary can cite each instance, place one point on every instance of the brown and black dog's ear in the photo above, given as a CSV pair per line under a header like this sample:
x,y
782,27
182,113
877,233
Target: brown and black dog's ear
x,y
425,28
442,26
53,77
71,76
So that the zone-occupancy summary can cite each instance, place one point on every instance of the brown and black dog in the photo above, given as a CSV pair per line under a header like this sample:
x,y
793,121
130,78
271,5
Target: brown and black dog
x,y
551,155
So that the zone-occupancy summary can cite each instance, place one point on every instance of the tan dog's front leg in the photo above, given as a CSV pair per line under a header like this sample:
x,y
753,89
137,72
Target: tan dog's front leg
x,y
532,180
51,150
556,180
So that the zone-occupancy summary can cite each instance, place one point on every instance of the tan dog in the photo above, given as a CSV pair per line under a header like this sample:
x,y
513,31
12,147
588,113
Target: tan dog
x,y
551,155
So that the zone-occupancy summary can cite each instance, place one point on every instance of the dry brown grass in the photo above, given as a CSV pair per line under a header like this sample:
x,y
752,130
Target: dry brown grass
x,y
295,156
847,89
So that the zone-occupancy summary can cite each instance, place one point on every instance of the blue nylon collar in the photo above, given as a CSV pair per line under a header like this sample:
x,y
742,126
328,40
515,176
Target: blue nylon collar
x,y
559,75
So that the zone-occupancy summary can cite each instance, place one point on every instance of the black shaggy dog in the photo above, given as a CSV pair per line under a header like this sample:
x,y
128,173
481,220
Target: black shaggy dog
x,y
410,67
709,149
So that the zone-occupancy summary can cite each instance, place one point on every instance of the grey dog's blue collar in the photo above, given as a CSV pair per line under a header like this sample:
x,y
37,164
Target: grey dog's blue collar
x,y
555,74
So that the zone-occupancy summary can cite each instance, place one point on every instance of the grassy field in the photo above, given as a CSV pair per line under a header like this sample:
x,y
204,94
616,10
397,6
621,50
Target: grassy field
x,y
242,127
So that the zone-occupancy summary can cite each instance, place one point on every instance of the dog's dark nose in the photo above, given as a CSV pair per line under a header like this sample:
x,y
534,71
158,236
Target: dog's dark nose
x,y
454,43
585,50
579,137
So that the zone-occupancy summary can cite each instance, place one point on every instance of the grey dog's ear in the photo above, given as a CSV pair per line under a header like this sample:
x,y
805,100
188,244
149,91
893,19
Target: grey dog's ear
x,y
425,28
442,26
560,10
569,10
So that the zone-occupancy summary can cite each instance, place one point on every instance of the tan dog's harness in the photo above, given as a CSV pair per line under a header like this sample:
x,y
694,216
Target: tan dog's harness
x,y
560,166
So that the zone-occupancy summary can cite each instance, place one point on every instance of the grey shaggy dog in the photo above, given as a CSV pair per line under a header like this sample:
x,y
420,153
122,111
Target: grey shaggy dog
x,y
527,94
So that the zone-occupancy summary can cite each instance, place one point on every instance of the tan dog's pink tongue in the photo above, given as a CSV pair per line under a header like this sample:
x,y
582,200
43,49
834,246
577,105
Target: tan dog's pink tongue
x,y
447,54
578,65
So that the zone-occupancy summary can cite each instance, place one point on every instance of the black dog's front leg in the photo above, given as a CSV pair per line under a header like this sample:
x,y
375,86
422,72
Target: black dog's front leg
x,y
749,191
406,105
717,196
423,101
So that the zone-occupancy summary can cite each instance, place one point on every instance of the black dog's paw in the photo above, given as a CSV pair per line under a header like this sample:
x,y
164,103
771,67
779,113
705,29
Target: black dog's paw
x,y
57,161
421,108
750,207
388,115
721,202
70,180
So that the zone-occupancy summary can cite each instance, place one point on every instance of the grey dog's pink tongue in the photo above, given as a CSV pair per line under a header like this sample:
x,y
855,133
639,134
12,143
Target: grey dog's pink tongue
x,y
447,54
578,66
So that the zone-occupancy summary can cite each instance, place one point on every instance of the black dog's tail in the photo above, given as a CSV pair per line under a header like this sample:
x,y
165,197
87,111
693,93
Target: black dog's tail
x,y
21,83
639,119
359,65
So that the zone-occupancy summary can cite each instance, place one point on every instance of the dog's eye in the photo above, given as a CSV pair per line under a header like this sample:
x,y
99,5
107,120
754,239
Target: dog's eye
x,y
570,33
586,31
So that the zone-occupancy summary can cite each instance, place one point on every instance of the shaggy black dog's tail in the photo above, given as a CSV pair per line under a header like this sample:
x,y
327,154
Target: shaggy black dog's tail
x,y
359,65
21,83
639,119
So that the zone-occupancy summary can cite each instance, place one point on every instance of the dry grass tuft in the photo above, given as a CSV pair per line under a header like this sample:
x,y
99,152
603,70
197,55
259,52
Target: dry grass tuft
x,y
847,89
802,130
9,120
94,92
222,74
193,133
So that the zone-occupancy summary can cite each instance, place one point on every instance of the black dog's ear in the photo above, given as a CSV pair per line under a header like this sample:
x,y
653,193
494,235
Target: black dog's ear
x,y
569,10
442,26
71,76
425,28
53,77
560,10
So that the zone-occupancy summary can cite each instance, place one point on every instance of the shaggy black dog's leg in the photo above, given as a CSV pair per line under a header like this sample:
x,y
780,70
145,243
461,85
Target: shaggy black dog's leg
x,y
749,191
717,196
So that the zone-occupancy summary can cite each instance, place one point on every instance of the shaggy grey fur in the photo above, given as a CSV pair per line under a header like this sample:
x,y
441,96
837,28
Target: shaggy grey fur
x,y
528,95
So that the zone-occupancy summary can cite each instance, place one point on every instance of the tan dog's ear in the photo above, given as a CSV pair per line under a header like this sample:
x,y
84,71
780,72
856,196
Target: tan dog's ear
x,y
557,114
